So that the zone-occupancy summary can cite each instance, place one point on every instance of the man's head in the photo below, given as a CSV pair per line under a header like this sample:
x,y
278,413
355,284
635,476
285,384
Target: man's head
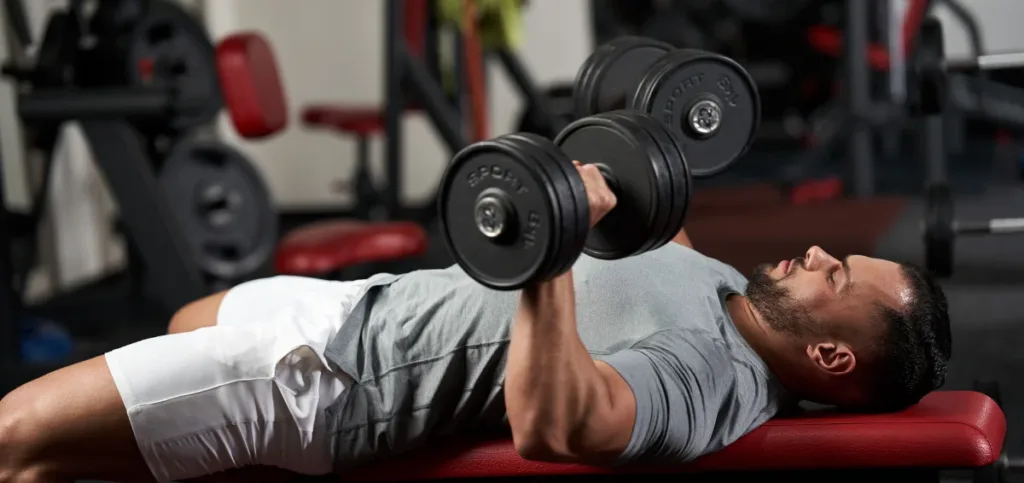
x,y
859,332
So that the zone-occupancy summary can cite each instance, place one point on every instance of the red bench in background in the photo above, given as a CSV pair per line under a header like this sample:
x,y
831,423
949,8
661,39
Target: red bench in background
x,y
256,103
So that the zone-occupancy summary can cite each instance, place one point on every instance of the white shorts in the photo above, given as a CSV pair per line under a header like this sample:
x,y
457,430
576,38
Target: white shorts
x,y
249,391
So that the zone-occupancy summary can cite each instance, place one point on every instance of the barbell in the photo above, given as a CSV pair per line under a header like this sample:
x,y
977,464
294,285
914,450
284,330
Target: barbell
x,y
941,228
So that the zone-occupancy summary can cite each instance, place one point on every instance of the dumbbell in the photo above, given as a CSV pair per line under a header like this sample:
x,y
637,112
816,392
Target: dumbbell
x,y
707,100
514,210
941,229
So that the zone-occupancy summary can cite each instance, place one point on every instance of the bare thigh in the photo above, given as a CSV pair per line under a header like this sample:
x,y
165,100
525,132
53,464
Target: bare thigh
x,y
196,315
72,424
66,425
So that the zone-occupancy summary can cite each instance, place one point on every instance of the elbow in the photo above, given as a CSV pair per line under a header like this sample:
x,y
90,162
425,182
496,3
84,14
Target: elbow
x,y
535,443
536,448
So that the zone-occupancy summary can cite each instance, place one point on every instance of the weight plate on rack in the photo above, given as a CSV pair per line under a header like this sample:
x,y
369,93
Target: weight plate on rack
x,y
638,176
706,99
500,215
222,206
607,79
168,48
939,234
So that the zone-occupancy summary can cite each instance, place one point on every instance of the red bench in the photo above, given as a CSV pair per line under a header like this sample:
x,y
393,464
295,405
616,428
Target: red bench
x,y
256,103
946,430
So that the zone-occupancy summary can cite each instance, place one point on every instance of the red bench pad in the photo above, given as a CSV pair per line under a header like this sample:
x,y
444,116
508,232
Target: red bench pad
x,y
333,245
253,93
361,121
948,429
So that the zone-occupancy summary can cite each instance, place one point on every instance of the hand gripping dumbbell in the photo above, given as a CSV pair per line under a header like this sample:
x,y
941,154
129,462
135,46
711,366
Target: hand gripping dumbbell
x,y
707,100
514,209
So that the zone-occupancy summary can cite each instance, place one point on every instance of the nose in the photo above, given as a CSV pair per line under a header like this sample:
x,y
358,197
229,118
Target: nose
x,y
817,258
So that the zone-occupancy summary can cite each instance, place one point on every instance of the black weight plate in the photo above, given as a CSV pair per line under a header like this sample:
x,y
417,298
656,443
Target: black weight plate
x,y
525,256
572,197
681,79
170,49
678,171
607,79
223,207
664,192
939,234
579,192
565,212
626,229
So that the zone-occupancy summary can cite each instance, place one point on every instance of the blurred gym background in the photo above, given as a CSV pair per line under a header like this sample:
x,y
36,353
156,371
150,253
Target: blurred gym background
x,y
71,297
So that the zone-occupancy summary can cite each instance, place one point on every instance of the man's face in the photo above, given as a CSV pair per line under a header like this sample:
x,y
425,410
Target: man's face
x,y
818,294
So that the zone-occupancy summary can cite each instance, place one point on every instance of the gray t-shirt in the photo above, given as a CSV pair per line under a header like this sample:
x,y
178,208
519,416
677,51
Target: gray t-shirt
x,y
427,351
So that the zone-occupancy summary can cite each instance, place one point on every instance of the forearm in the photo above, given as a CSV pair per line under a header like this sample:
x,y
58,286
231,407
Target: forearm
x,y
552,386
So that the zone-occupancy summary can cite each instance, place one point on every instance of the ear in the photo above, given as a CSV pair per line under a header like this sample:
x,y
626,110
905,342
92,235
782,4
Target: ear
x,y
834,358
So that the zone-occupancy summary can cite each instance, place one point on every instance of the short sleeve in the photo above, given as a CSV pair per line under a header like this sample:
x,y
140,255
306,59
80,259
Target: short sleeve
x,y
682,381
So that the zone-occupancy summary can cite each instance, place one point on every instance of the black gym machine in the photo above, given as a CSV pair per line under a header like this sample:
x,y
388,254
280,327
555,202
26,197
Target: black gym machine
x,y
194,212
929,85
408,75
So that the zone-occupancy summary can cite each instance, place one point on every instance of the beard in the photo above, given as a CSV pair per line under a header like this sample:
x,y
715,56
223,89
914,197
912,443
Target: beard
x,y
776,305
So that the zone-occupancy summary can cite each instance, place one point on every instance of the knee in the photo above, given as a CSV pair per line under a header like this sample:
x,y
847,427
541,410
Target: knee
x,y
21,442
196,315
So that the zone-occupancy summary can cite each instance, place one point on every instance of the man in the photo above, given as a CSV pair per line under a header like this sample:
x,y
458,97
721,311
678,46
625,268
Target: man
x,y
658,357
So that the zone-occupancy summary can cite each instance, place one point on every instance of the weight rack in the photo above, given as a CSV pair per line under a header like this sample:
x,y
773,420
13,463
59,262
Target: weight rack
x,y
407,73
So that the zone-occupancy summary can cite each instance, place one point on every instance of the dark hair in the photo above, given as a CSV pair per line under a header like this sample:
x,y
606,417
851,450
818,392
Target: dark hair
x,y
915,345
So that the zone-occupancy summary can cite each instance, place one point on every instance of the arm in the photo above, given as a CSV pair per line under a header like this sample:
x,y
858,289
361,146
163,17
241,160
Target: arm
x,y
561,404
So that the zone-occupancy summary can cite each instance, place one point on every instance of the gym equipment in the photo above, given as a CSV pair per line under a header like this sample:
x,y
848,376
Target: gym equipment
x,y
911,445
150,62
607,79
773,11
514,209
941,229
708,100
223,207
929,78
560,105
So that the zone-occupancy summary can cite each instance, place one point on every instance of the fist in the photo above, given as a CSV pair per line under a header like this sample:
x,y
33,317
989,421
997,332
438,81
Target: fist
x,y
600,197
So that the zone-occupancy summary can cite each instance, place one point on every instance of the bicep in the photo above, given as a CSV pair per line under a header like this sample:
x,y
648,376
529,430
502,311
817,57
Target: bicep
x,y
608,432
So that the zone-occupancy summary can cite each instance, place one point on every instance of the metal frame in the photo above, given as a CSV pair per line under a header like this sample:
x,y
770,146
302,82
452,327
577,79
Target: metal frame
x,y
120,153
10,348
406,74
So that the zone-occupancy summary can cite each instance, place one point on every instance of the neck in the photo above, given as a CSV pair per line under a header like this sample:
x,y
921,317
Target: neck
x,y
769,345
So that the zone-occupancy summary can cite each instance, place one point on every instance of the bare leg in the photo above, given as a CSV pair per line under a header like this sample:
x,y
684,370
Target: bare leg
x,y
72,424
67,425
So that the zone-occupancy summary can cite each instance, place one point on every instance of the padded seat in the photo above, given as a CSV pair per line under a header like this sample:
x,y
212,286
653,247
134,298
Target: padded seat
x,y
334,245
361,121
946,430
